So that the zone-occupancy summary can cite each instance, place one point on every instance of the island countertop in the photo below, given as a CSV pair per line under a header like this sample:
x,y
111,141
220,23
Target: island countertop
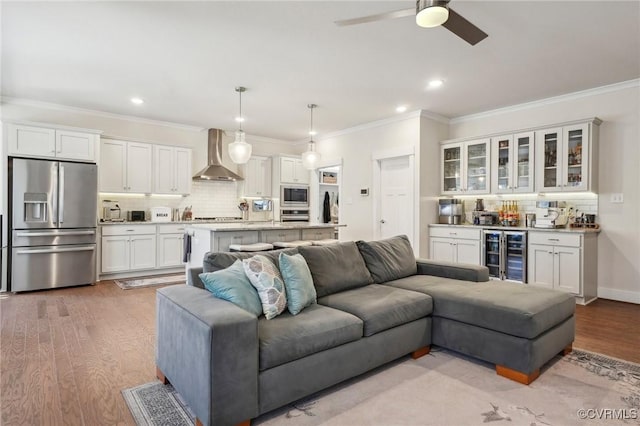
x,y
262,226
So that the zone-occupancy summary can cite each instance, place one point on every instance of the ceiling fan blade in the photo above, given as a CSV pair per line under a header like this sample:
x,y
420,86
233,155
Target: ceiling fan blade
x,y
377,17
464,29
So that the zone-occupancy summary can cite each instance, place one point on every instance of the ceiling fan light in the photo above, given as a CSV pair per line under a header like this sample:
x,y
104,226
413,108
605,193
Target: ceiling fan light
x,y
431,13
239,149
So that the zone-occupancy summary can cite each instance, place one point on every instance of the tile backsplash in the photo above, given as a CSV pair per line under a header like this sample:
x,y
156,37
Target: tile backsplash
x,y
208,199
587,203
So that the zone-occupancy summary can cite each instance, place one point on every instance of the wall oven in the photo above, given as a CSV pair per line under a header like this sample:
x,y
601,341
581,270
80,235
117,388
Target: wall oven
x,y
294,215
294,196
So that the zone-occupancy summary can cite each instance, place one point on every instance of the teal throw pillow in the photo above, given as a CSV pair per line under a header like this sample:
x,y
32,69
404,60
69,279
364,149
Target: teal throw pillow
x,y
232,284
266,278
298,282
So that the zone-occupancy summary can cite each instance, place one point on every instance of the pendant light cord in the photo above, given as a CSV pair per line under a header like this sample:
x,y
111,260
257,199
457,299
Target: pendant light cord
x,y
240,89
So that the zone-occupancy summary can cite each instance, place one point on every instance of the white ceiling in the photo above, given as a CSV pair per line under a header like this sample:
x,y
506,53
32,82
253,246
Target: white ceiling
x,y
185,59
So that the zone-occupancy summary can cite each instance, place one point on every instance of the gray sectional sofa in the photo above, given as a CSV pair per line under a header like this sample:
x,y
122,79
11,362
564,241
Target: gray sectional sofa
x,y
376,303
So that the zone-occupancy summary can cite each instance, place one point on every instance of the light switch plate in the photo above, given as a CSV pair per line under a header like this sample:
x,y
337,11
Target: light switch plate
x,y
617,198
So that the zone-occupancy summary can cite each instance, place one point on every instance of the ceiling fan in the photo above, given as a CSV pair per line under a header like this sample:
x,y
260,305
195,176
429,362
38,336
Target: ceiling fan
x,y
429,13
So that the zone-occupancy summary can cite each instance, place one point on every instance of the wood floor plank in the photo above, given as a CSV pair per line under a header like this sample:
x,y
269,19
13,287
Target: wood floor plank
x,y
51,408
71,411
68,353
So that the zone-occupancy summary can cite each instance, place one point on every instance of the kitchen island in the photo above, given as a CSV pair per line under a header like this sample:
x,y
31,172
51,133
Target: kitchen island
x,y
218,237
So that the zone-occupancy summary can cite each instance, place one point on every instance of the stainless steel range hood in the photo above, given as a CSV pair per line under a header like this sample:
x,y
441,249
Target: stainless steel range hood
x,y
214,169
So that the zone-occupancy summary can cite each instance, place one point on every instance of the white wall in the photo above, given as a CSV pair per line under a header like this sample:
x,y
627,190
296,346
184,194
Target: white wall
x,y
355,146
432,131
618,158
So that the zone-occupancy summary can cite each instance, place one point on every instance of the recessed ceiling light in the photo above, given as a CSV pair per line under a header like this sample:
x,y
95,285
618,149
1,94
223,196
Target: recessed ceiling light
x,y
137,101
435,83
401,108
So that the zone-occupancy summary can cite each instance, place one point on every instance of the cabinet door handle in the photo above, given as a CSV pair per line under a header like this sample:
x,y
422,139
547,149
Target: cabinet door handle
x,y
453,233
549,252
130,230
553,239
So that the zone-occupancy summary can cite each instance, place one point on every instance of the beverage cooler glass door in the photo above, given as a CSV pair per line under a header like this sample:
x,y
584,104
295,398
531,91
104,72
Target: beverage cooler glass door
x,y
515,255
492,253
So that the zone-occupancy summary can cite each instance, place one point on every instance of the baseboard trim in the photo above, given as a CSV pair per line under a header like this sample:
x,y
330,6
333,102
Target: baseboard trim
x,y
619,295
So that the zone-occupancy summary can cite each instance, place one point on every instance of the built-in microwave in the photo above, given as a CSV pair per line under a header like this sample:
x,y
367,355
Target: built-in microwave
x,y
294,195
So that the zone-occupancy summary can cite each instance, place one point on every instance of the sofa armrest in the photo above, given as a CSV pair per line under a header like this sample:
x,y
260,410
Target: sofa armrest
x,y
193,278
208,349
458,271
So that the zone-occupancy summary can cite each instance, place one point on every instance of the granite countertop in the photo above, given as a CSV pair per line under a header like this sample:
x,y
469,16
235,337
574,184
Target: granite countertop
x,y
175,222
521,228
262,226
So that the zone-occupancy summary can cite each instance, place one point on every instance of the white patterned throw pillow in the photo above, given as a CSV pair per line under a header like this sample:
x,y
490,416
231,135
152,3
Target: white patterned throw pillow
x,y
266,278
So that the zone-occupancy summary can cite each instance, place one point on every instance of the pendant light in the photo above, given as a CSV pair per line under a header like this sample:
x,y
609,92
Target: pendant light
x,y
239,149
310,157
431,13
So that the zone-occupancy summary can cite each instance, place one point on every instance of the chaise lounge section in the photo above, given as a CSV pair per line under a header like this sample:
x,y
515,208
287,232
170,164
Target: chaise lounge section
x,y
376,303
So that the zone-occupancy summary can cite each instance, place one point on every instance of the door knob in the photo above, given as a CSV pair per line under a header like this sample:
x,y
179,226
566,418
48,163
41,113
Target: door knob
x,y
383,221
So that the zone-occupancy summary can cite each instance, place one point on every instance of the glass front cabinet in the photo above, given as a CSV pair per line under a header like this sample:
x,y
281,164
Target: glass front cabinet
x,y
512,163
563,157
465,167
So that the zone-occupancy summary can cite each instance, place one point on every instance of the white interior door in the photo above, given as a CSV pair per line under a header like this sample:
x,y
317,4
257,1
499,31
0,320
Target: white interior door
x,y
396,198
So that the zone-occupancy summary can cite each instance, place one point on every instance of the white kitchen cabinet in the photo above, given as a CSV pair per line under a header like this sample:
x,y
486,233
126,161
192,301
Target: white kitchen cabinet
x,y
465,167
142,253
512,166
564,157
317,234
257,177
170,242
34,141
115,253
292,171
279,235
125,166
223,239
172,170
128,248
563,261
455,245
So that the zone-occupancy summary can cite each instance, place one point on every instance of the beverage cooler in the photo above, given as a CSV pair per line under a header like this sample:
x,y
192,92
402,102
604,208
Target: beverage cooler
x,y
505,254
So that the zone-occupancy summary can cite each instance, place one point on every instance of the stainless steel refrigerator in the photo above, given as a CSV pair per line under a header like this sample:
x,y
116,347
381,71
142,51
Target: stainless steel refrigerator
x,y
53,214
505,254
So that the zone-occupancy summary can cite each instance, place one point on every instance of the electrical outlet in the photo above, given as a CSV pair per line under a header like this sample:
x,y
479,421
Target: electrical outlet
x,y
617,198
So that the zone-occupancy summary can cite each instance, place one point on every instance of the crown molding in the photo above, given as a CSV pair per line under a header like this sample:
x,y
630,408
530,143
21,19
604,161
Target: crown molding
x,y
65,108
370,125
548,101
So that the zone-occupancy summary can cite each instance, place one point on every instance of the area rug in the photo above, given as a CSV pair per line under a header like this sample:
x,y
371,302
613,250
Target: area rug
x,y
128,284
444,388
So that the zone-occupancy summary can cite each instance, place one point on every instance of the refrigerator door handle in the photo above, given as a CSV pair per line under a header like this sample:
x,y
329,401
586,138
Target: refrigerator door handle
x,y
55,250
61,196
53,233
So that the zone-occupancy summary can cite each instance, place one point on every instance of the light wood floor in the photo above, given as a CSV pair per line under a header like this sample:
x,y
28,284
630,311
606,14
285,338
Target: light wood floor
x,y
66,354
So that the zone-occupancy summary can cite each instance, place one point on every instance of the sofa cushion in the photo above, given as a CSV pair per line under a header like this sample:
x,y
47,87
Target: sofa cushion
x,y
389,259
266,278
336,267
317,328
516,309
214,261
232,284
297,281
380,307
